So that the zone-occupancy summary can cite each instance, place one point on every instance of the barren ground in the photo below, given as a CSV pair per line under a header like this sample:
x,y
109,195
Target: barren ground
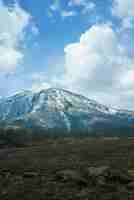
x,y
69,169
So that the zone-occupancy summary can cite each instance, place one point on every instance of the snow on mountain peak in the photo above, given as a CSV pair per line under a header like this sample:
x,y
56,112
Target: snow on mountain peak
x,y
57,108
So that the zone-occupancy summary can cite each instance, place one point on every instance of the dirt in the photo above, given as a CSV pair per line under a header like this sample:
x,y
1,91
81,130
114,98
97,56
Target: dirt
x,y
69,169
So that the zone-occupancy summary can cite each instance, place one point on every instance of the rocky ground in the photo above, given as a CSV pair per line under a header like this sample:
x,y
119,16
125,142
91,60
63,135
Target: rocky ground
x,y
69,169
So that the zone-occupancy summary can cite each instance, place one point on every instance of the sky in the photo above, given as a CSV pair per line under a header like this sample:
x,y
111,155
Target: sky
x,y
85,46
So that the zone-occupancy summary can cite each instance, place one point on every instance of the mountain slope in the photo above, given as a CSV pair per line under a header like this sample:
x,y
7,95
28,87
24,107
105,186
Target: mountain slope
x,y
61,109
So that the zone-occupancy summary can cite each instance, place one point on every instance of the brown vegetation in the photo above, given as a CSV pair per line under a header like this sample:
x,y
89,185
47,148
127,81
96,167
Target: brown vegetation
x,y
65,168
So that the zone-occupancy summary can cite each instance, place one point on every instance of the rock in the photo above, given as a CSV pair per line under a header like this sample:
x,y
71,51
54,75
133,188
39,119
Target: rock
x,y
97,171
103,184
84,194
119,176
105,175
30,174
18,179
131,173
71,175
107,186
110,196
5,171
4,192
131,185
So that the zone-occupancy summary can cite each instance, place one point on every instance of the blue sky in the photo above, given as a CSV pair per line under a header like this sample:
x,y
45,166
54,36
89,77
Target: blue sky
x,y
85,46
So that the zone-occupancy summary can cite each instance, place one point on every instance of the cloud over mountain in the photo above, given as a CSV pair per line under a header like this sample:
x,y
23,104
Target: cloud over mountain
x,y
98,65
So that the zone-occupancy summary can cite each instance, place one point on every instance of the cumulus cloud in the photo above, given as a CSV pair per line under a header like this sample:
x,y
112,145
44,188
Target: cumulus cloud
x,y
9,58
123,8
13,22
98,66
125,11
127,79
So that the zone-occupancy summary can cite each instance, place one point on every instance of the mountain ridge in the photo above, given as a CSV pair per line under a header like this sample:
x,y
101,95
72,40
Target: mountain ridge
x,y
58,108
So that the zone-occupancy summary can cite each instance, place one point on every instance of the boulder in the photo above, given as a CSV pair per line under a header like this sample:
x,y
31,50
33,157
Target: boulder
x,y
98,171
71,175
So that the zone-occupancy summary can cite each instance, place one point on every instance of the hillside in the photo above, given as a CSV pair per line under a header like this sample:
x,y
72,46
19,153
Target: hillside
x,y
60,109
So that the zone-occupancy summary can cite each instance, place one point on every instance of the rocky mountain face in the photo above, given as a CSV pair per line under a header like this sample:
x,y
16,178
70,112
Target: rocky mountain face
x,y
60,109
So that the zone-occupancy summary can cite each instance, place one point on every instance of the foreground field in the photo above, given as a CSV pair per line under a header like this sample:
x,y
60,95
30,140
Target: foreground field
x,y
70,169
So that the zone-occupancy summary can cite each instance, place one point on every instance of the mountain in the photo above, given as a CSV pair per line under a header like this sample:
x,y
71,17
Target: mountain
x,y
60,109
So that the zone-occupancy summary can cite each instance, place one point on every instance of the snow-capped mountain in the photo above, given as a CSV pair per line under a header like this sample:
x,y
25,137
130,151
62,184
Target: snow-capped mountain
x,y
61,109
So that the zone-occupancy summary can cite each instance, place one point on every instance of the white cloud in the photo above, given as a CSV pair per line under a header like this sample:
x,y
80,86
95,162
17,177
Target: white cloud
x,y
127,79
56,7
35,30
9,58
39,87
77,2
39,81
96,47
38,76
65,14
13,22
87,6
124,9
98,66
